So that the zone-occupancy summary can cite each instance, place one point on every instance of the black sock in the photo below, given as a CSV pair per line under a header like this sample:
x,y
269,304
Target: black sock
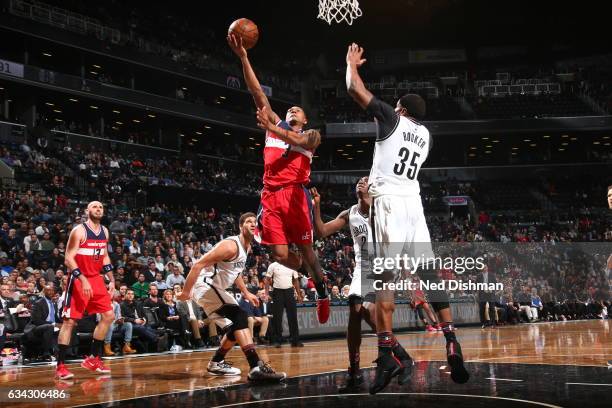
x,y
251,354
61,353
220,354
447,329
400,352
321,290
97,347
354,361
386,342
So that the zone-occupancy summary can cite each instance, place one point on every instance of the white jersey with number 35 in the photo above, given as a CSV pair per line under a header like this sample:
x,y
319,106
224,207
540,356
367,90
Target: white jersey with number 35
x,y
398,159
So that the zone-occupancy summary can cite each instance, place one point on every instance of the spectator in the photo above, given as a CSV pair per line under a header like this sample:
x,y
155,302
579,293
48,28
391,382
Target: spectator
x,y
195,319
255,318
121,327
133,313
169,315
175,277
44,324
160,282
154,300
141,288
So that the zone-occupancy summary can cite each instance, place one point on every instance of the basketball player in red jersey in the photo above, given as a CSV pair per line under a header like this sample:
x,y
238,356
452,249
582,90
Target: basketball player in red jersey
x,y
285,215
86,259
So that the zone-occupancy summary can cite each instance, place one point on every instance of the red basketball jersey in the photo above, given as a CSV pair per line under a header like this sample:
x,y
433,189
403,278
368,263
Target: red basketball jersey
x,y
90,256
285,164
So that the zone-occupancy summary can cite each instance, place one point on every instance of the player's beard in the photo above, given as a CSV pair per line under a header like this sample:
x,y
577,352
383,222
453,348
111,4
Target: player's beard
x,y
95,218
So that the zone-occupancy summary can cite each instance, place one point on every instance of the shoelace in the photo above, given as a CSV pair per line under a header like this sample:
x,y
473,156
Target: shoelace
x,y
266,368
225,364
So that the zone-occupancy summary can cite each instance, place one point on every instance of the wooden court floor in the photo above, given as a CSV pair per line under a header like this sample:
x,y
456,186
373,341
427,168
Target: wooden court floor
x,y
579,343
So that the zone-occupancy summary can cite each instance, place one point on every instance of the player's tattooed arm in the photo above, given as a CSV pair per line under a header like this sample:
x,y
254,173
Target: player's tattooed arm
x,y
260,98
354,84
322,229
309,139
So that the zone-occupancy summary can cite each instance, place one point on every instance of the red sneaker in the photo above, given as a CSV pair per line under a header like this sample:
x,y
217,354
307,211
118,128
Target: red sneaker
x,y
430,328
323,310
62,373
96,365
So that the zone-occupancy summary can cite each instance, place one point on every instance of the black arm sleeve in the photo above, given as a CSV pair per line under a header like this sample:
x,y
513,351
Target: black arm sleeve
x,y
386,118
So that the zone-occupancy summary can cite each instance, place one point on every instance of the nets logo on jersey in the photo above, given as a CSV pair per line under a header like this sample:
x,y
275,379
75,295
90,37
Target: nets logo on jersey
x,y
360,230
239,264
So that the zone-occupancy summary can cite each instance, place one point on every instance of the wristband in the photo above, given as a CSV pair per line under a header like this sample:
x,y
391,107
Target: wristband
x,y
76,272
107,268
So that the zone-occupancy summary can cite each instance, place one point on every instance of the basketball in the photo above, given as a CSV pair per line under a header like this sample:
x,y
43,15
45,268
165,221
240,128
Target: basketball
x,y
246,29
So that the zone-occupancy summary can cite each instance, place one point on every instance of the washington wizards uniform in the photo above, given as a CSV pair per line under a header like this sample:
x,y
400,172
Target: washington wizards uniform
x,y
89,260
285,215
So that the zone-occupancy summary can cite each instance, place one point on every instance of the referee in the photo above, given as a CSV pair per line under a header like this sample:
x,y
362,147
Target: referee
x,y
284,283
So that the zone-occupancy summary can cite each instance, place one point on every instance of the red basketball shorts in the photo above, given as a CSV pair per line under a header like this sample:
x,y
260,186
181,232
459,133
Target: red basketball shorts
x,y
285,216
75,303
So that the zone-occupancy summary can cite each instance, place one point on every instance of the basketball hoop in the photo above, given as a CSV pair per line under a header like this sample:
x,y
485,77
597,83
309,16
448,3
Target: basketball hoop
x,y
339,11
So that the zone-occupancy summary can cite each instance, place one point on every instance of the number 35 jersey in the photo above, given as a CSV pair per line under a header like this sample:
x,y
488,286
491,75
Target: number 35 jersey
x,y
398,157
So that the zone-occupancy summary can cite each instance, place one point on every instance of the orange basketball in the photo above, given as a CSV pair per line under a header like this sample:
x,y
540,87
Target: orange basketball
x,y
246,29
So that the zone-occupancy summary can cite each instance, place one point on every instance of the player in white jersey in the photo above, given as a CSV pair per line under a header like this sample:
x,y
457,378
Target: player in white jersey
x,y
227,260
357,220
396,215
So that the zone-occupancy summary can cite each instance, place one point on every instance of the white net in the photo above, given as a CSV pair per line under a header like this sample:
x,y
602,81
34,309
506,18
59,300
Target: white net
x,y
339,11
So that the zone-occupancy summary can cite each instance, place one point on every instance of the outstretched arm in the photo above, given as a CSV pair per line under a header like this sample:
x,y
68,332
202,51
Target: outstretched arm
x,y
261,100
310,139
354,84
321,229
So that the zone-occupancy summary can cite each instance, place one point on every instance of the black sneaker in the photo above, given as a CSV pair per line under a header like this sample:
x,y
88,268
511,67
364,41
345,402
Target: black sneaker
x,y
387,367
455,360
354,380
406,372
263,372
297,344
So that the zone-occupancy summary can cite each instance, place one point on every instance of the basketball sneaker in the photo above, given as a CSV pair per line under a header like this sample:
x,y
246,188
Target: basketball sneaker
x,y
455,360
222,368
438,327
62,373
387,367
354,380
406,372
263,372
323,309
430,328
95,364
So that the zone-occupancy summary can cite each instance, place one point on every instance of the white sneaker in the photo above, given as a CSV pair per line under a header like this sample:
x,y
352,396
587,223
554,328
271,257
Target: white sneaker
x,y
263,372
222,368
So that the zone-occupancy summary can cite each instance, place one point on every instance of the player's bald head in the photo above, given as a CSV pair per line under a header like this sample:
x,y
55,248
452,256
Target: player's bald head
x,y
94,204
95,210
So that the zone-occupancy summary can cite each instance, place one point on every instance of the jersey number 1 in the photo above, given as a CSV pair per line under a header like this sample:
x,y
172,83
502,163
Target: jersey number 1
x,y
400,167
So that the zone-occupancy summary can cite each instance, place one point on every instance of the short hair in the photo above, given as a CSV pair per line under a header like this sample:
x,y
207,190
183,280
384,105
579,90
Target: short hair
x,y
244,217
610,187
414,105
129,290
